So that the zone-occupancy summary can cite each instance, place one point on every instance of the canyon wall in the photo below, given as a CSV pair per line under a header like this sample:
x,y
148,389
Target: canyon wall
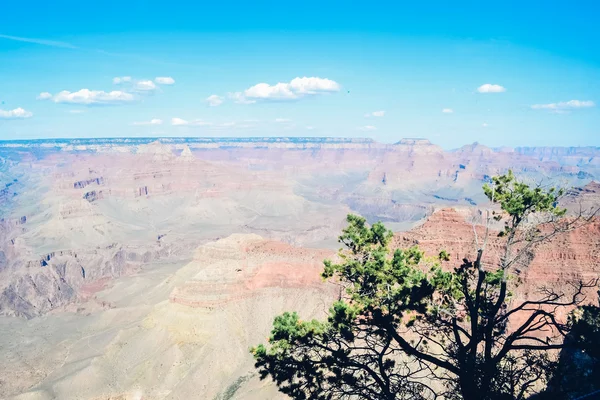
x,y
133,268
76,211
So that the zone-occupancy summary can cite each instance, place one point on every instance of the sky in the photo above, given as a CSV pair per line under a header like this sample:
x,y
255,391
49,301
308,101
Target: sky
x,y
502,73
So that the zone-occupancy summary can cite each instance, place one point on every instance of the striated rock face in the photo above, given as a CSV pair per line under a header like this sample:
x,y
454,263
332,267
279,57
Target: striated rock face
x,y
59,278
582,199
78,210
243,266
83,196
157,150
414,141
186,154
564,259
93,195
182,332
448,229
84,183
576,156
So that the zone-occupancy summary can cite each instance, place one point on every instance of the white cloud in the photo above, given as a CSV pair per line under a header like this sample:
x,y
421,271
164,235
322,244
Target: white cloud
x,y
89,97
164,80
183,122
44,96
121,79
238,97
17,113
563,106
139,86
144,86
375,114
280,91
367,128
447,110
313,85
490,88
154,121
214,100
485,125
295,89
178,122
282,120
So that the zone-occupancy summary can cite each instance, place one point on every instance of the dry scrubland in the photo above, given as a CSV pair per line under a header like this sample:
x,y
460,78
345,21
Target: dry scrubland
x,y
136,269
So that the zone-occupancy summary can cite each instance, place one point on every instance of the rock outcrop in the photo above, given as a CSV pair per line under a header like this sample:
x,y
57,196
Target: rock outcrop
x,y
82,196
575,156
565,258
584,199
59,278
243,266
179,331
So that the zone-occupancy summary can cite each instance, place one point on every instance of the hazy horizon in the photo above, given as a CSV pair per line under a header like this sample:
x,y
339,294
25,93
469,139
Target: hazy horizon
x,y
341,139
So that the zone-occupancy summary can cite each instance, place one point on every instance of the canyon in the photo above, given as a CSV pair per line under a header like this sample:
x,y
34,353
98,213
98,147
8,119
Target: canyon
x,y
141,268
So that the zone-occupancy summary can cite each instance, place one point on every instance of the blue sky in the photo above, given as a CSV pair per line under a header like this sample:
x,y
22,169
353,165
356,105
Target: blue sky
x,y
501,73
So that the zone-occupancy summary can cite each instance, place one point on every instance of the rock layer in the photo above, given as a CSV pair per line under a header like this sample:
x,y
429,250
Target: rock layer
x,y
556,263
241,266
183,332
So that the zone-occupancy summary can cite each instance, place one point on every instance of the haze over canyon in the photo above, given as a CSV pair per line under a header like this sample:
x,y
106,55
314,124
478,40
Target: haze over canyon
x,y
138,268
